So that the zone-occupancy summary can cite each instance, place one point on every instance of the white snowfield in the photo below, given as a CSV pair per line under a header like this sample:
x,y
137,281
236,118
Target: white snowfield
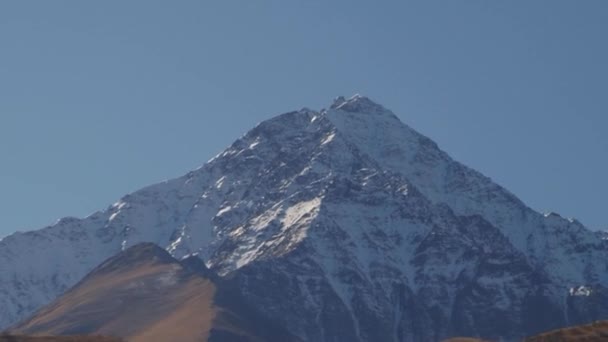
x,y
363,202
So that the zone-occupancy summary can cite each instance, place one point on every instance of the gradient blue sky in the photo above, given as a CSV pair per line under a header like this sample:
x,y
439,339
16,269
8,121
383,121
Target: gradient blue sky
x,y
99,98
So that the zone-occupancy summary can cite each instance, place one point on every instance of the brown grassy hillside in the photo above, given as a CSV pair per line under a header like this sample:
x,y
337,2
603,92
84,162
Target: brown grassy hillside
x,y
20,338
144,295
595,332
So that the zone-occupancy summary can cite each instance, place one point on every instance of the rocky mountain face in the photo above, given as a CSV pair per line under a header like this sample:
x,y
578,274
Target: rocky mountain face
x,y
341,225
145,295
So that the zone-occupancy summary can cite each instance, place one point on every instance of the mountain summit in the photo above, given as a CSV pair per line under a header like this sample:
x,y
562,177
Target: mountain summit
x,y
340,224
358,104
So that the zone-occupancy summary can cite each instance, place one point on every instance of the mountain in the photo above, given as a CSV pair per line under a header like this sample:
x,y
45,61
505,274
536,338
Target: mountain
x,y
594,332
341,225
144,294
21,338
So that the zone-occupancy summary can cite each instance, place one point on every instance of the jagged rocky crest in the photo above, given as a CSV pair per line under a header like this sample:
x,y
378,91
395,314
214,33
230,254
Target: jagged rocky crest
x,y
343,224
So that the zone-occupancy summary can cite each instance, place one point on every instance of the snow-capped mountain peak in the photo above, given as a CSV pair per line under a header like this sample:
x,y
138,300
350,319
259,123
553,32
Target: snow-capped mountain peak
x,y
358,104
344,224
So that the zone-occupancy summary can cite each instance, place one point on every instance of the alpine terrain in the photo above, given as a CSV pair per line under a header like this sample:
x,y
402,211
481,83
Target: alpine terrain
x,y
340,225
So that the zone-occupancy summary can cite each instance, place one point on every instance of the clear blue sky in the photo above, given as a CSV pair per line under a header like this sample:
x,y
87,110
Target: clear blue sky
x,y
99,98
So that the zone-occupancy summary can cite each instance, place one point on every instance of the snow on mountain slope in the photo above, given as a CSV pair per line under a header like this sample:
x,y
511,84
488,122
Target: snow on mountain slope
x,y
342,224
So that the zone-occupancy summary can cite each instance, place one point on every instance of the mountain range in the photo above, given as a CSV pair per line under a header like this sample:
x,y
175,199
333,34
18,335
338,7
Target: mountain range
x,y
343,224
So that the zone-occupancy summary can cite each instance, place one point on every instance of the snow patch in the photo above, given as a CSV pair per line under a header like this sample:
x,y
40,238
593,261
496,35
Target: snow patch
x,y
580,291
220,182
328,138
254,144
296,212
224,210
119,205
113,216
